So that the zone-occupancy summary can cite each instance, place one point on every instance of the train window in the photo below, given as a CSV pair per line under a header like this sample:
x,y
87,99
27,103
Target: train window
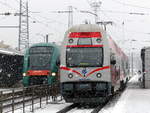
x,y
40,57
84,57
84,41
40,49
39,61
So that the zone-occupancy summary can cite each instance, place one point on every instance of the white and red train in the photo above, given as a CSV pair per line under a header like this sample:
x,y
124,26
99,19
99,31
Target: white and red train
x,y
92,65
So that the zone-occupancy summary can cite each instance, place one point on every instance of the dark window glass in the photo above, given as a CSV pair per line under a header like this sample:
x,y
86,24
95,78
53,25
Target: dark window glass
x,y
84,57
40,49
40,58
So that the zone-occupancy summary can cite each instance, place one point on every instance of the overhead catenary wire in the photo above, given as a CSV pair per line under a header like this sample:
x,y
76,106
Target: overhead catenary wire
x,y
31,16
119,27
122,12
131,5
131,33
46,25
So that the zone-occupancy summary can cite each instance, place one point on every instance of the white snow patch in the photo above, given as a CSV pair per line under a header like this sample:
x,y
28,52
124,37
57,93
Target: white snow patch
x,y
133,100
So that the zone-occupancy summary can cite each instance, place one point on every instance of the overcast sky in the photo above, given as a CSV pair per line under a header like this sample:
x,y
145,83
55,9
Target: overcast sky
x,y
44,21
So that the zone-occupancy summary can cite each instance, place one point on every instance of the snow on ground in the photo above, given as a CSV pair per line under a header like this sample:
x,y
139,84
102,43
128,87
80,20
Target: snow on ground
x,y
133,100
53,108
46,108
80,110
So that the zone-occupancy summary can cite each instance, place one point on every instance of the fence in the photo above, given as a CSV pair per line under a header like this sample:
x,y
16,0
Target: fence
x,y
19,99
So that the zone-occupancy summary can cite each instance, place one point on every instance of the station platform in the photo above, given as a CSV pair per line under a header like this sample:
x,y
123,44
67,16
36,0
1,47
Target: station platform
x,y
133,100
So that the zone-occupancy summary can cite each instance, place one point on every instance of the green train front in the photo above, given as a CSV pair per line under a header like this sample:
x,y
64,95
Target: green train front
x,y
41,64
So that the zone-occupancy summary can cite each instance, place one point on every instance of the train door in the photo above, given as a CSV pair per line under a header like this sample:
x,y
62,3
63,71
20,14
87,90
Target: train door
x,y
147,69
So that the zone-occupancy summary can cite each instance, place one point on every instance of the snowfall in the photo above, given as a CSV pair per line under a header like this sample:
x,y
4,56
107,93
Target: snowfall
x,y
133,100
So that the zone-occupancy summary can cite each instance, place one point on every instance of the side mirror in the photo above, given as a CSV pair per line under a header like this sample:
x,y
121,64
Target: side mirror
x,y
113,62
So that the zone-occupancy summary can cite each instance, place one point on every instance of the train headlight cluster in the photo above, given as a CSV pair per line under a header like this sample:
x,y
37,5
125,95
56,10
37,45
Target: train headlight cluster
x,y
24,74
53,74
99,75
70,75
70,41
98,40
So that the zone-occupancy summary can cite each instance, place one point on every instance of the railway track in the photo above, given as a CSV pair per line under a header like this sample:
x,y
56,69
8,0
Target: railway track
x,y
96,109
99,107
68,108
73,106
111,98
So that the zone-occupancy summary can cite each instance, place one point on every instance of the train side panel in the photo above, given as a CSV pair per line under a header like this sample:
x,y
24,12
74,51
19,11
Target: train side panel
x,y
145,55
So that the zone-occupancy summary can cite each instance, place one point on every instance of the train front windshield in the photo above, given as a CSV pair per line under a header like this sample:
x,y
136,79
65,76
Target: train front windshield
x,y
40,58
84,57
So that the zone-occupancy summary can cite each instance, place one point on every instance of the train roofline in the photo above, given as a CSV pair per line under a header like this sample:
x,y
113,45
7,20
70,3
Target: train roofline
x,y
53,44
85,27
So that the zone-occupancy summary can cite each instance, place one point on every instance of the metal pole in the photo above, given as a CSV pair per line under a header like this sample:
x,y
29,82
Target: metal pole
x,y
19,48
96,17
46,38
1,103
70,17
46,94
132,63
27,25
40,99
13,101
23,100
32,99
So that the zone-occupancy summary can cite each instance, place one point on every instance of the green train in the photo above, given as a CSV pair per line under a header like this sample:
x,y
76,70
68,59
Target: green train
x,y
41,64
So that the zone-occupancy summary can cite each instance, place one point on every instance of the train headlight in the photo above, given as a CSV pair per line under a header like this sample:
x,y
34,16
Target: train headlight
x,y
70,41
53,74
24,74
99,75
98,40
70,75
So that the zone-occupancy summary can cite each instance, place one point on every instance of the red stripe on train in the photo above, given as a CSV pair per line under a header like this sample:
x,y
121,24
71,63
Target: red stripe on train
x,y
38,72
98,69
68,69
85,35
84,45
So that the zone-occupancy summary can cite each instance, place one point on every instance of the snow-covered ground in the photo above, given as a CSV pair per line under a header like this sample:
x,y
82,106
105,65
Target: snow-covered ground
x,y
133,100
51,107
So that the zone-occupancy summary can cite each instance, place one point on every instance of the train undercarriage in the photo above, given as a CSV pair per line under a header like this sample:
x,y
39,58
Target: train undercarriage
x,y
85,92
38,80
